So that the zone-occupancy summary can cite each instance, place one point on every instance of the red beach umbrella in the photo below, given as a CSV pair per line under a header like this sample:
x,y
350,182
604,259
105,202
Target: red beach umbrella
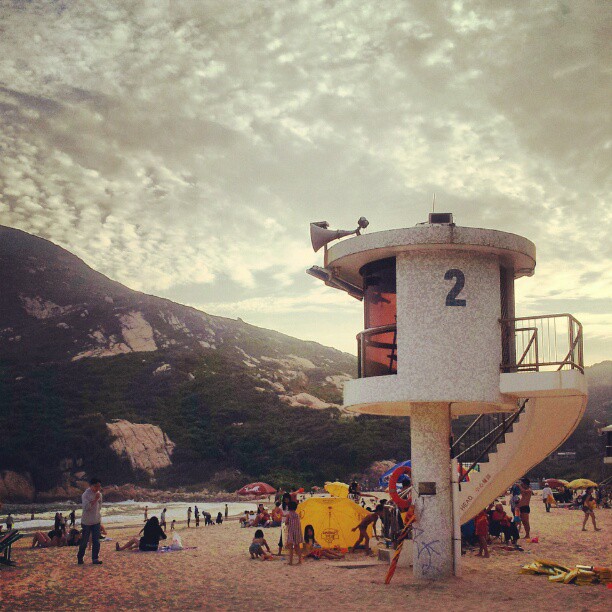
x,y
256,488
556,483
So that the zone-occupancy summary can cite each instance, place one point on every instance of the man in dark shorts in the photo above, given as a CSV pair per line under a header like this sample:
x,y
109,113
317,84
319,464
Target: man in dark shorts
x,y
524,509
371,519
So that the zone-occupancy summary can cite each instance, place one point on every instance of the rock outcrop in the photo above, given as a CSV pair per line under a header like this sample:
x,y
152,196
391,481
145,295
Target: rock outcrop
x,y
146,447
16,488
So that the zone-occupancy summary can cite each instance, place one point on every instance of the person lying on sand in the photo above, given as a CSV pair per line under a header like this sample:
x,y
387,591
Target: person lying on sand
x,y
149,542
44,540
311,548
257,546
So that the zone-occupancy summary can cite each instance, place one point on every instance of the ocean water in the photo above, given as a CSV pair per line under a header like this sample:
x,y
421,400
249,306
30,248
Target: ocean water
x,y
122,513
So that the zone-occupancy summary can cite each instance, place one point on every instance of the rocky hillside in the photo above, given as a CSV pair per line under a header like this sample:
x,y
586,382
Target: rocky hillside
x,y
87,365
54,308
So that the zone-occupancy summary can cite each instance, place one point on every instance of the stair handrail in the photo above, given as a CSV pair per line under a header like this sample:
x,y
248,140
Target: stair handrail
x,y
469,448
505,427
470,427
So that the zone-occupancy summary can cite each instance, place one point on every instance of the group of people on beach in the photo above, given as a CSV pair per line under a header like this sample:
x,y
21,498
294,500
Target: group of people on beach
x,y
493,521
208,520
300,543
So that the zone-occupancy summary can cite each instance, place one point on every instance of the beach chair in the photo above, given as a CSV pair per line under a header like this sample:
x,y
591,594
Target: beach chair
x,y
6,543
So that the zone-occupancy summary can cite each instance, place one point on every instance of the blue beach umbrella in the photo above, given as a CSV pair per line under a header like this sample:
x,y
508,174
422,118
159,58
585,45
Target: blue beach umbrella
x,y
403,479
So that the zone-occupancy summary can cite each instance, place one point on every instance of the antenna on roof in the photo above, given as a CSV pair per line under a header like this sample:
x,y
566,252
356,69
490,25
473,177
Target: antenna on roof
x,y
433,204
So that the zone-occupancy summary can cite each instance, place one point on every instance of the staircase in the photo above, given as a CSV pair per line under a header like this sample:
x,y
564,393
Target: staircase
x,y
543,425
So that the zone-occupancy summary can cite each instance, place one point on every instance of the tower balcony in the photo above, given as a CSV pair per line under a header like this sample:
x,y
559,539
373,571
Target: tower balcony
x,y
529,344
540,356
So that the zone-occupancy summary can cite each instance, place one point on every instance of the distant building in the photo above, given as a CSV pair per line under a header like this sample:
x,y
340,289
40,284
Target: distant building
x,y
566,455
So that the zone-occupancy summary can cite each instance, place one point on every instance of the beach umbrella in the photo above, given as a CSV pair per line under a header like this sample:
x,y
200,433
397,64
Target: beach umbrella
x,y
256,488
383,481
556,483
333,518
337,489
581,483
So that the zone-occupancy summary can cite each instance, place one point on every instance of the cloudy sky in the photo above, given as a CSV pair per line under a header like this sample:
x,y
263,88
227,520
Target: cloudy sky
x,y
183,147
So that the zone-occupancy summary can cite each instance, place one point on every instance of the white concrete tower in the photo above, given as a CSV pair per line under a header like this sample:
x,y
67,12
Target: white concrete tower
x,y
435,300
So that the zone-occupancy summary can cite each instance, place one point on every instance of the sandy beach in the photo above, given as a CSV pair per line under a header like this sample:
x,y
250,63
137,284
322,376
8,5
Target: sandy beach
x,y
218,574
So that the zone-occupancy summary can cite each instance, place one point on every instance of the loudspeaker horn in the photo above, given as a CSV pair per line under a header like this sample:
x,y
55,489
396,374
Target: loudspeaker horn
x,y
320,235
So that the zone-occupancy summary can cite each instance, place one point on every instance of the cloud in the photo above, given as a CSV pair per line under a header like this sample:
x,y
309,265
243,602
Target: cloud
x,y
189,145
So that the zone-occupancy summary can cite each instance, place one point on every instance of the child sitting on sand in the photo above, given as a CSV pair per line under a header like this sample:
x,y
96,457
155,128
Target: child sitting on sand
x,y
311,548
257,546
482,531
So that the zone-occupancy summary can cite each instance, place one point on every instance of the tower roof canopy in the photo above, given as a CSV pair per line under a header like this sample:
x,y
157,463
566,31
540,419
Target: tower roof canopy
x,y
348,256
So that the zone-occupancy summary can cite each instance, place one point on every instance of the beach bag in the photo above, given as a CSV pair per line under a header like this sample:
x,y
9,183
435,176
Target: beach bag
x,y
176,542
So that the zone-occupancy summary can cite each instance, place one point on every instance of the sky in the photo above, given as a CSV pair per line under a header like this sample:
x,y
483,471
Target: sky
x,y
182,148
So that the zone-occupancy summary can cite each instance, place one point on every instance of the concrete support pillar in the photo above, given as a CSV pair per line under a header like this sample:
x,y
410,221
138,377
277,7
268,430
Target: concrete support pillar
x,y
433,530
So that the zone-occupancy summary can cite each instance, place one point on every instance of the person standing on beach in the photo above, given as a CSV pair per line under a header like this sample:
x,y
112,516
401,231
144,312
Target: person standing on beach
x,y
524,508
9,522
294,533
146,514
285,499
226,511
162,519
188,517
588,507
72,517
91,520
196,513
481,523
547,497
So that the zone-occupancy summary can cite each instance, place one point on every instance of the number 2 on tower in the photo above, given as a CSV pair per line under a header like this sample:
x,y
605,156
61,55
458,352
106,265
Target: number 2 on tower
x,y
451,298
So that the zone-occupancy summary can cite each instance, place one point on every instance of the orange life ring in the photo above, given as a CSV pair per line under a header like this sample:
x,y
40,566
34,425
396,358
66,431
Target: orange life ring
x,y
402,504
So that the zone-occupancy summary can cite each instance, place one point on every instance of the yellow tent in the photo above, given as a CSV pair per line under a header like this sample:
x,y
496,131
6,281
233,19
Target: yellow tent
x,y
581,483
337,489
332,519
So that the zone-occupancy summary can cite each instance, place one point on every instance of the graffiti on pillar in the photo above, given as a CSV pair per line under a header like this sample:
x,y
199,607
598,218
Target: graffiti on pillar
x,y
426,551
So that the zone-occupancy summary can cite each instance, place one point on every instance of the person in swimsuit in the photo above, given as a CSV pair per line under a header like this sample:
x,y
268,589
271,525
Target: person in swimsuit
x,y
371,519
44,540
588,507
524,509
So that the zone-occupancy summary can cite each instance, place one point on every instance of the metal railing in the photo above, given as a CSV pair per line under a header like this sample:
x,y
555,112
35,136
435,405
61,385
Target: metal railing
x,y
548,342
368,339
482,436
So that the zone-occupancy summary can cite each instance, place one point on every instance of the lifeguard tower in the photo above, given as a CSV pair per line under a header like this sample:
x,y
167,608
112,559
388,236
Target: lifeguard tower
x,y
441,340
